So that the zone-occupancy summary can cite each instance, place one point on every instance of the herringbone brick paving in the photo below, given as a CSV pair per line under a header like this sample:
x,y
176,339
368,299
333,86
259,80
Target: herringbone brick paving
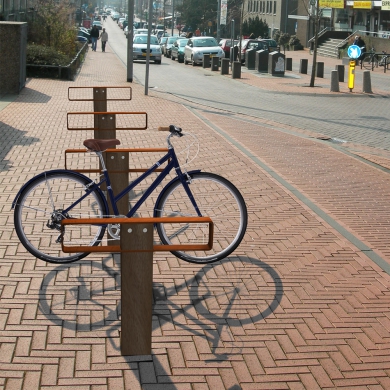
x,y
296,306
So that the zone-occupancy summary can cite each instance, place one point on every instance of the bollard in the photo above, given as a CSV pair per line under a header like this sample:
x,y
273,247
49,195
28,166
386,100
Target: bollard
x,y
367,81
334,81
303,66
288,63
320,70
215,63
225,62
341,71
206,60
236,70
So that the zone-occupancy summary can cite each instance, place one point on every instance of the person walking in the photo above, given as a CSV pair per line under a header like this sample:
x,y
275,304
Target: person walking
x,y
94,37
104,39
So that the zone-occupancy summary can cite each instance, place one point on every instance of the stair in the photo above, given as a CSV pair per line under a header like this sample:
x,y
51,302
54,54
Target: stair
x,y
329,48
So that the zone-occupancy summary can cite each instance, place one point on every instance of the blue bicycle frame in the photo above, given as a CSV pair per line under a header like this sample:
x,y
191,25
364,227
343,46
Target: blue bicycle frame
x,y
172,164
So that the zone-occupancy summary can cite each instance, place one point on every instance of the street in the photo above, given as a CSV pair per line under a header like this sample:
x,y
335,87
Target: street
x,y
364,122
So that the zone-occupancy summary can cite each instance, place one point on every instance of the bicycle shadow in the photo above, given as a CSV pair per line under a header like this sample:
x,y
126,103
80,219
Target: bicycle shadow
x,y
10,137
207,305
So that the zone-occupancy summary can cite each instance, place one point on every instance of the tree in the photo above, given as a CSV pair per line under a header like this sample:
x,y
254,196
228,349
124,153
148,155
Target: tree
x,y
284,40
53,26
255,26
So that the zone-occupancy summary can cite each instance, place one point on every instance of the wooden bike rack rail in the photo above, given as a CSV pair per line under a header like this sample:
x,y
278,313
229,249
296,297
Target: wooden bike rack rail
x,y
132,150
136,248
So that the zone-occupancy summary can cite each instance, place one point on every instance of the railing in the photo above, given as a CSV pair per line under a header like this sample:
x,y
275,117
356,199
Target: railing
x,y
70,69
320,34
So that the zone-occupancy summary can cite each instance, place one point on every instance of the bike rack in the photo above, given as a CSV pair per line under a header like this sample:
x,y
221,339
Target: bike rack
x,y
136,248
134,150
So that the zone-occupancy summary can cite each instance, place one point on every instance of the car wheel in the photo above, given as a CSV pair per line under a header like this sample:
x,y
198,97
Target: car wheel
x,y
181,60
172,58
157,62
192,60
185,61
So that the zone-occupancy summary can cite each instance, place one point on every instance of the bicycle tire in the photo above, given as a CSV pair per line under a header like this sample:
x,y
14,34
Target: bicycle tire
x,y
367,62
41,204
216,198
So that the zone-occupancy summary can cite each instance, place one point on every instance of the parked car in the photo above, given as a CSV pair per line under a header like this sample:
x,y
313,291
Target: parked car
x,y
98,24
140,48
83,32
80,38
177,49
272,45
198,46
163,41
140,31
120,22
247,44
225,45
158,33
168,45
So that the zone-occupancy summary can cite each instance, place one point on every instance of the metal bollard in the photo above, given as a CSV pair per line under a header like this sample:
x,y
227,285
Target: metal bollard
x,y
341,70
320,70
225,62
334,81
367,81
303,66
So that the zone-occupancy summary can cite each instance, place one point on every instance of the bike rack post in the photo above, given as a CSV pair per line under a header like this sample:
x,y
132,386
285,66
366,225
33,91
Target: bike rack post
x,y
136,248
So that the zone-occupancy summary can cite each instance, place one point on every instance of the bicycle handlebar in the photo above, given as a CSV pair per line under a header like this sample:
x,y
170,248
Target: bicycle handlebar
x,y
174,130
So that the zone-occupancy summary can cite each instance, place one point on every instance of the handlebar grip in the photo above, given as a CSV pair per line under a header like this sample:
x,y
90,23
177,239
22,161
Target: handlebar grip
x,y
163,128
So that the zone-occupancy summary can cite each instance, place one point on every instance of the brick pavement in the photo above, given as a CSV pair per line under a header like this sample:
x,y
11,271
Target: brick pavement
x,y
300,305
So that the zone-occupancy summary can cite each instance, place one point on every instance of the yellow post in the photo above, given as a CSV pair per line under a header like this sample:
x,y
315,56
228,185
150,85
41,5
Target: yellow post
x,y
351,75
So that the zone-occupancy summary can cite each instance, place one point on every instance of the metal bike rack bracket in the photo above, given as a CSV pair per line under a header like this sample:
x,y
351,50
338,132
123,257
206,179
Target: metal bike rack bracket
x,y
136,248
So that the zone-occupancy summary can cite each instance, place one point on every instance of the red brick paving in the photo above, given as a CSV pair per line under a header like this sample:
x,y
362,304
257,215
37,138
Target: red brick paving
x,y
297,307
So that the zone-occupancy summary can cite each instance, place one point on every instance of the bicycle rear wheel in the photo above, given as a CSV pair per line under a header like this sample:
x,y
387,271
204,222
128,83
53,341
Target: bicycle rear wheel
x,y
40,209
216,198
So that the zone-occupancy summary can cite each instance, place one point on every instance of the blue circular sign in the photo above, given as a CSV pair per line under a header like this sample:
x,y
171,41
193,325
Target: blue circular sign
x,y
354,51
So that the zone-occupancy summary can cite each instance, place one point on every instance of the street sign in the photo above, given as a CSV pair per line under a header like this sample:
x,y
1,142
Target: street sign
x,y
354,51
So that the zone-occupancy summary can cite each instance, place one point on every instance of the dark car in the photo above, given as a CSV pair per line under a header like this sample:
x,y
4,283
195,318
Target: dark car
x,y
226,44
272,45
177,49
247,44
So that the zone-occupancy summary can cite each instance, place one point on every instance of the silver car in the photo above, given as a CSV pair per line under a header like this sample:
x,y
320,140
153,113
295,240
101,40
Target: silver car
x,y
140,48
197,46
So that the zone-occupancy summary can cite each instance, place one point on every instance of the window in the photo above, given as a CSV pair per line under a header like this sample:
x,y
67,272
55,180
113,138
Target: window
x,y
274,7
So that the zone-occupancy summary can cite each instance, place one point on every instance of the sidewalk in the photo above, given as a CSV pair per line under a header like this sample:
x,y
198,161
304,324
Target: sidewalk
x,y
302,304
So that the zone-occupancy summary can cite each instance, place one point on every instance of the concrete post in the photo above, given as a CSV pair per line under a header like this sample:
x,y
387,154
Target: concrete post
x,y
236,70
288,63
367,81
303,66
225,62
341,71
215,64
206,60
334,81
320,69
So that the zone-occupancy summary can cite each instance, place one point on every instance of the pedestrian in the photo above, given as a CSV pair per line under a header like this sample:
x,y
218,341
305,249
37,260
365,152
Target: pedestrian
x,y
359,42
104,39
94,37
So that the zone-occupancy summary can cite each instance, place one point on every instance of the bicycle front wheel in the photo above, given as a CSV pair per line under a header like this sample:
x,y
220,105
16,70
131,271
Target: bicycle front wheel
x,y
367,62
40,209
216,198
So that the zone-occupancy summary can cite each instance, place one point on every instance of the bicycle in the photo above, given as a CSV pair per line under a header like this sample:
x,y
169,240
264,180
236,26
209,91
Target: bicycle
x,y
384,61
50,197
370,60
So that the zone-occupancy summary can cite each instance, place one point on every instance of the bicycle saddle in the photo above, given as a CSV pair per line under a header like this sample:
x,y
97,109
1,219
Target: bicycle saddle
x,y
99,145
